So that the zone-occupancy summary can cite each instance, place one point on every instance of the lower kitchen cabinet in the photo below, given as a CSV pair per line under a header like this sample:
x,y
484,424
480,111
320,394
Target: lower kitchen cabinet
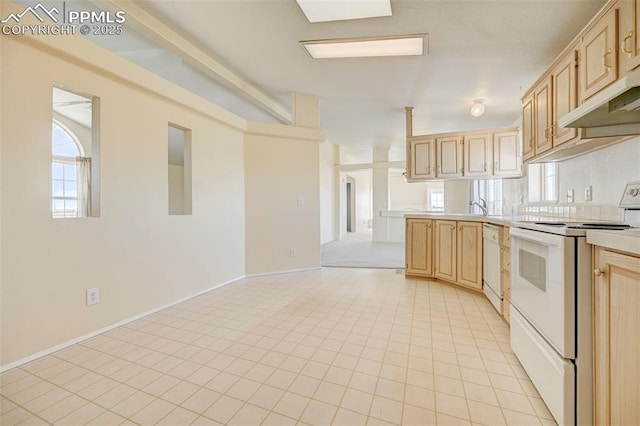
x,y
449,250
616,338
445,250
469,254
419,247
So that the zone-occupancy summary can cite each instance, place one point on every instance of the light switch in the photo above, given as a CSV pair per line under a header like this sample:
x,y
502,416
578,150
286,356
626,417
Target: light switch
x,y
569,195
300,199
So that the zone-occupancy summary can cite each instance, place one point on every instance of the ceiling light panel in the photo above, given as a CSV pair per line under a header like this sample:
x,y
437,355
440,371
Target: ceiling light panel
x,y
340,10
367,47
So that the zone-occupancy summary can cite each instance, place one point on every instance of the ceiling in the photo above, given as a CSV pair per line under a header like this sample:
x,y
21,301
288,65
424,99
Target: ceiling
x,y
492,50
73,106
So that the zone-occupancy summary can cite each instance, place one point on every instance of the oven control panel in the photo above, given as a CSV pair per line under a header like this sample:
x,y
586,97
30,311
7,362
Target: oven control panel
x,y
631,197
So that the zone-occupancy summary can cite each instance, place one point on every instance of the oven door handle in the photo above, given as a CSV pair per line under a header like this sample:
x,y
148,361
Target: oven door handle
x,y
536,237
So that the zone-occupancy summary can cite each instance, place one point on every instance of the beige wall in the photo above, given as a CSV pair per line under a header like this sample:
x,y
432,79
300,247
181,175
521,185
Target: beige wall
x,y
279,168
176,189
328,191
138,255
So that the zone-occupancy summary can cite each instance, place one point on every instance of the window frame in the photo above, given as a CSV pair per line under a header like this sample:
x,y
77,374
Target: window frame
x,y
63,159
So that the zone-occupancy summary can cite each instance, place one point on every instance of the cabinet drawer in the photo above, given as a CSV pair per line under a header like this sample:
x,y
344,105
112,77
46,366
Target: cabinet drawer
x,y
506,260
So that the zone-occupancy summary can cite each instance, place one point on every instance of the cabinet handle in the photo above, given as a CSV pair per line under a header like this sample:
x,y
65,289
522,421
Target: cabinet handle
x,y
605,62
546,133
531,143
623,44
485,166
495,167
598,272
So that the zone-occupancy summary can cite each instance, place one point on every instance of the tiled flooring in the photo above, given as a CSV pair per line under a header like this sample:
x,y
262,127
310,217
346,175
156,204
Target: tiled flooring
x,y
331,346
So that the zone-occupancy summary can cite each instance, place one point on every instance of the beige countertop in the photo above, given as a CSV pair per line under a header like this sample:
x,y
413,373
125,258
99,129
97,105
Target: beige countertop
x,y
494,220
627,241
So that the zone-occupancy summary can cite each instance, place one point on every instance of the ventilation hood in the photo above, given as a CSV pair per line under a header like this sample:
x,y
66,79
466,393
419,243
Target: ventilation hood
x,y
615,111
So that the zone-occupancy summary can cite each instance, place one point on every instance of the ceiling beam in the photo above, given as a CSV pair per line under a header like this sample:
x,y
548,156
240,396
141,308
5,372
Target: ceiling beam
x,y
165,36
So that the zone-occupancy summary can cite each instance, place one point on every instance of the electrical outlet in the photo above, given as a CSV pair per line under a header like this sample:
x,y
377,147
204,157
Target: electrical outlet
x,y
292,252
569,195
588,196
300,200
93,296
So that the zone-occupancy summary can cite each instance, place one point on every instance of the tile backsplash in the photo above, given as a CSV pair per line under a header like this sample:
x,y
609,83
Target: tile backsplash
x,y
574,212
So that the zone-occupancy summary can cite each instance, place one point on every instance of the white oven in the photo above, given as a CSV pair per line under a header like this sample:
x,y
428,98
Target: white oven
x,y
542,285
551,316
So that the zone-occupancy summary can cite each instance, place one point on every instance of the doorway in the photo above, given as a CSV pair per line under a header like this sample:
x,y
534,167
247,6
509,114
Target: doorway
x,y
351,204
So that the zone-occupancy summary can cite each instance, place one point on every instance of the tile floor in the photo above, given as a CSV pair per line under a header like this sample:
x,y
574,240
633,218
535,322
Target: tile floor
x,y
331,346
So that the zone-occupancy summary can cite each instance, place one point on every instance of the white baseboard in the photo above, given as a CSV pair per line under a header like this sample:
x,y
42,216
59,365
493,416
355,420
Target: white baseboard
x,y
289,271
68,343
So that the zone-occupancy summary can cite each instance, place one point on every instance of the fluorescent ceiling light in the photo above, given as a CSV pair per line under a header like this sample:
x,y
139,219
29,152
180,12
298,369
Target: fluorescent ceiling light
x,y
340,10
409,45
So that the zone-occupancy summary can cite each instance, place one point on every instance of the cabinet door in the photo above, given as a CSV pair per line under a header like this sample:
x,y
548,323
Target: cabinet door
x,y
543,117
616,338
477,155
449,156
565,98
629,34
506,154
528,128
445,250
599,56
422,159
469,254
419,247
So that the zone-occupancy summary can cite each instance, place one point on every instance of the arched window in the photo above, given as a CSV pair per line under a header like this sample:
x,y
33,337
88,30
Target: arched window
x,y
64,172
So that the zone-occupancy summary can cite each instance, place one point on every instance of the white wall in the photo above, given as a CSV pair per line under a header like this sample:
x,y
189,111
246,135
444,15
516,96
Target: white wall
x,y
363,198
327,192
281,165
138,255
456,196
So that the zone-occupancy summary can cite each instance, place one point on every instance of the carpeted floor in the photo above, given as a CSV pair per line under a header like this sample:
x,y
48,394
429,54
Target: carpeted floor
x,y
357,250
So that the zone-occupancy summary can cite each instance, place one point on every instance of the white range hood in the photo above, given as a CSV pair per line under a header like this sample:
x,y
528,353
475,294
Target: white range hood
x,y
615,111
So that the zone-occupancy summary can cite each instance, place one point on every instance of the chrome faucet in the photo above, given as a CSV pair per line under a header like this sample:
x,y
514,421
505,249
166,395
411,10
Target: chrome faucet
x,y
482,205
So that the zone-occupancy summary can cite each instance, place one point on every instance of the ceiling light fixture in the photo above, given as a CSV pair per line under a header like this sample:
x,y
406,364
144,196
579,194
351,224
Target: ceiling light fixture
x,y
341,10
404,45
478,108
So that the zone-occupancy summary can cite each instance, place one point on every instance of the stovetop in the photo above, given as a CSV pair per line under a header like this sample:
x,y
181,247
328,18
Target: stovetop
x,y
570,228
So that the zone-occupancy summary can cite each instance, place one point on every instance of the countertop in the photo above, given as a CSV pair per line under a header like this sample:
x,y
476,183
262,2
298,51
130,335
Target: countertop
x,y
494,220
627,241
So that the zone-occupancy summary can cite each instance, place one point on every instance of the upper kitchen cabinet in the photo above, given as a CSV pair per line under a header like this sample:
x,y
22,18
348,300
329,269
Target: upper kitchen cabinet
x,y
421,159
543,116
599,55
629,35
565,98
506,154
477,154
449,156
528,128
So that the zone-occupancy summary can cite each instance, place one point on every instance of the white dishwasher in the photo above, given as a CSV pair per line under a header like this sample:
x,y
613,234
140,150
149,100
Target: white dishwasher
x,y
491,265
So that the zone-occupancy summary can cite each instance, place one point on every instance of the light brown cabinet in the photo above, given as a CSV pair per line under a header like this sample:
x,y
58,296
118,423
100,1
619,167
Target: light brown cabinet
x,y
506,154
445,250
565,98
469,254
616,338
492,152
477,155
629,35
419,247
422,158
449,156
599,55
449,250
543,116
528,128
